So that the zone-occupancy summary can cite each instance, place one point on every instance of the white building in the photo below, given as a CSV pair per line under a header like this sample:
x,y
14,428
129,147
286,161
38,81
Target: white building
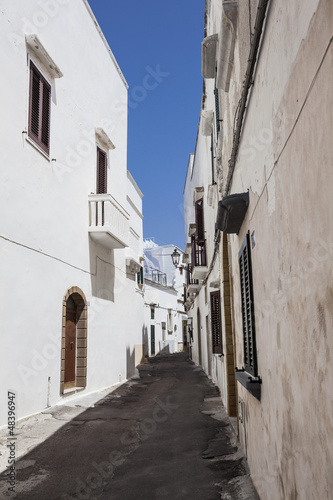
x,y
164,329
71,225
265,269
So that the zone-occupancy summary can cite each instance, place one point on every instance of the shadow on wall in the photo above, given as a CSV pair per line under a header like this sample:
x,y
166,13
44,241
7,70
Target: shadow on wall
x,y
102,273
130,363
165,349
145,341
130,275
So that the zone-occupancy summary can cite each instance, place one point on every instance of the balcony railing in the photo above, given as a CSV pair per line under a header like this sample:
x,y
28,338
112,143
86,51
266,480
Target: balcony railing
x,y
199,258
198,252
108,221
192,284
156,276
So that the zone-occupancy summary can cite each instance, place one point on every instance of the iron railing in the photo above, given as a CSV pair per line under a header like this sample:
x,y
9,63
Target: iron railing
x,y
198,252
156,276
189,279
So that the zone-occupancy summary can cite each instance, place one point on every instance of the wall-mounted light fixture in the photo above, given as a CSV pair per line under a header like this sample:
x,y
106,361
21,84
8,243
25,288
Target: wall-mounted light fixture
x,y
175,257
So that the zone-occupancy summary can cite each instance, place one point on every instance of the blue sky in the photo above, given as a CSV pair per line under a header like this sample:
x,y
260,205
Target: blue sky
x,y
163,37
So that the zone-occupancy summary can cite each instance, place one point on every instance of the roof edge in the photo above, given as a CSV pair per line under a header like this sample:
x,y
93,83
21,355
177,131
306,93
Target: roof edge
x,y
131,178
99,29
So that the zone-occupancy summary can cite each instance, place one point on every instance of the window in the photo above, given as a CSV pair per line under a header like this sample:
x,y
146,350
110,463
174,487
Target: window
x,y
212,157
152,313
198,245
139,277
39,109
199,220
101,171
249,339
217,109
215,311
170,322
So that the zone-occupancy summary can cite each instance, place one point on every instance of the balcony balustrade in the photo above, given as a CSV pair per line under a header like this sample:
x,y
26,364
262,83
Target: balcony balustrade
x,y
108,221
199,260
192,284
156,276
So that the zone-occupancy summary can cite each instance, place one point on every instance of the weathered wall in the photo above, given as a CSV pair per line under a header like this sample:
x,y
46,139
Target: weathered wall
x,y
285,161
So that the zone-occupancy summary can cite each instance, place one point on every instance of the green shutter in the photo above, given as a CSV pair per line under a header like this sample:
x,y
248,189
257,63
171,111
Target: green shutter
x,y
249,338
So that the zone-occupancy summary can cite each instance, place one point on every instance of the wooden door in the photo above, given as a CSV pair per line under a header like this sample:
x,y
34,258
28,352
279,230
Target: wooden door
x,y
185,344
70,348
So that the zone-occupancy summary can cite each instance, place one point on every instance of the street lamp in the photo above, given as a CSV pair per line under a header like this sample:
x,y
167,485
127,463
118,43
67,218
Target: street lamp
x,y
175,257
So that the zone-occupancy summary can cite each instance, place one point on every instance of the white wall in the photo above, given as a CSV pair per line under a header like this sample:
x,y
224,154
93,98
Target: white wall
x,y
45,247
284,160
164,298
199,174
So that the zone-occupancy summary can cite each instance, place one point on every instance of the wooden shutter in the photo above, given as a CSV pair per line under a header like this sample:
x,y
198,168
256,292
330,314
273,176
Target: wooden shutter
x,y
199,220
215,311
140,276
45,126
250,354
101,172
39,109
217,109
34,102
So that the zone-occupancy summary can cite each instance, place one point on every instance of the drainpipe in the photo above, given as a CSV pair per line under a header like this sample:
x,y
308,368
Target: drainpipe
x,y
248,82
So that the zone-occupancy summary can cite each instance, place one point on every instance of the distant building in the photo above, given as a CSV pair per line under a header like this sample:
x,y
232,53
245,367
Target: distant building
x,y
259,228
71,225
164,329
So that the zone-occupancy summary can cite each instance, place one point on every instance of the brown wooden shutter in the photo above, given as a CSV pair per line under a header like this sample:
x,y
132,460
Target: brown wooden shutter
x,y
45,126
217,109
199,220
39,109
101,172
34,102
215,311
245,270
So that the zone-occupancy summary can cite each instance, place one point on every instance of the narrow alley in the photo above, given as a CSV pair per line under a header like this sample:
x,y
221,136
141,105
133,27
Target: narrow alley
x,y
164,434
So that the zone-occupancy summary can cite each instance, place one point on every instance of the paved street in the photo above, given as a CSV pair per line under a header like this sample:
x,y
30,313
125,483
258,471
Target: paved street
x,y
163,435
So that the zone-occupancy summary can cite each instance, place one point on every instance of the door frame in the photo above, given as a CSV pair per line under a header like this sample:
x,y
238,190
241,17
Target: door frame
x,y
81,340
70,360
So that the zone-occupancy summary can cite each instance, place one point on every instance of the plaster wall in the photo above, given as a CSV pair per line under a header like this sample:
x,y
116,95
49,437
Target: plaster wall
x,y
162,299
201,174
45,247
285,160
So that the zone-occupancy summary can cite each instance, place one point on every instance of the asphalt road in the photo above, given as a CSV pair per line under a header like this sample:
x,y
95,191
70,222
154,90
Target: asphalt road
x,y
164,435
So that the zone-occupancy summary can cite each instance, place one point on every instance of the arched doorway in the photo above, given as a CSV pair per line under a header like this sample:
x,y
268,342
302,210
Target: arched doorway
x,y
70,344
74,341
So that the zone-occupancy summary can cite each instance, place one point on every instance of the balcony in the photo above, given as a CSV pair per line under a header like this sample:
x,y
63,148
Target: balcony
x,y
108,221
156,276
192,284
199,262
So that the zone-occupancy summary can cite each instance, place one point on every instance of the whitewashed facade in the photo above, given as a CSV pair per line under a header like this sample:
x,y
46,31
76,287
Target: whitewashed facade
x,y
266,112
71,229
164,328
